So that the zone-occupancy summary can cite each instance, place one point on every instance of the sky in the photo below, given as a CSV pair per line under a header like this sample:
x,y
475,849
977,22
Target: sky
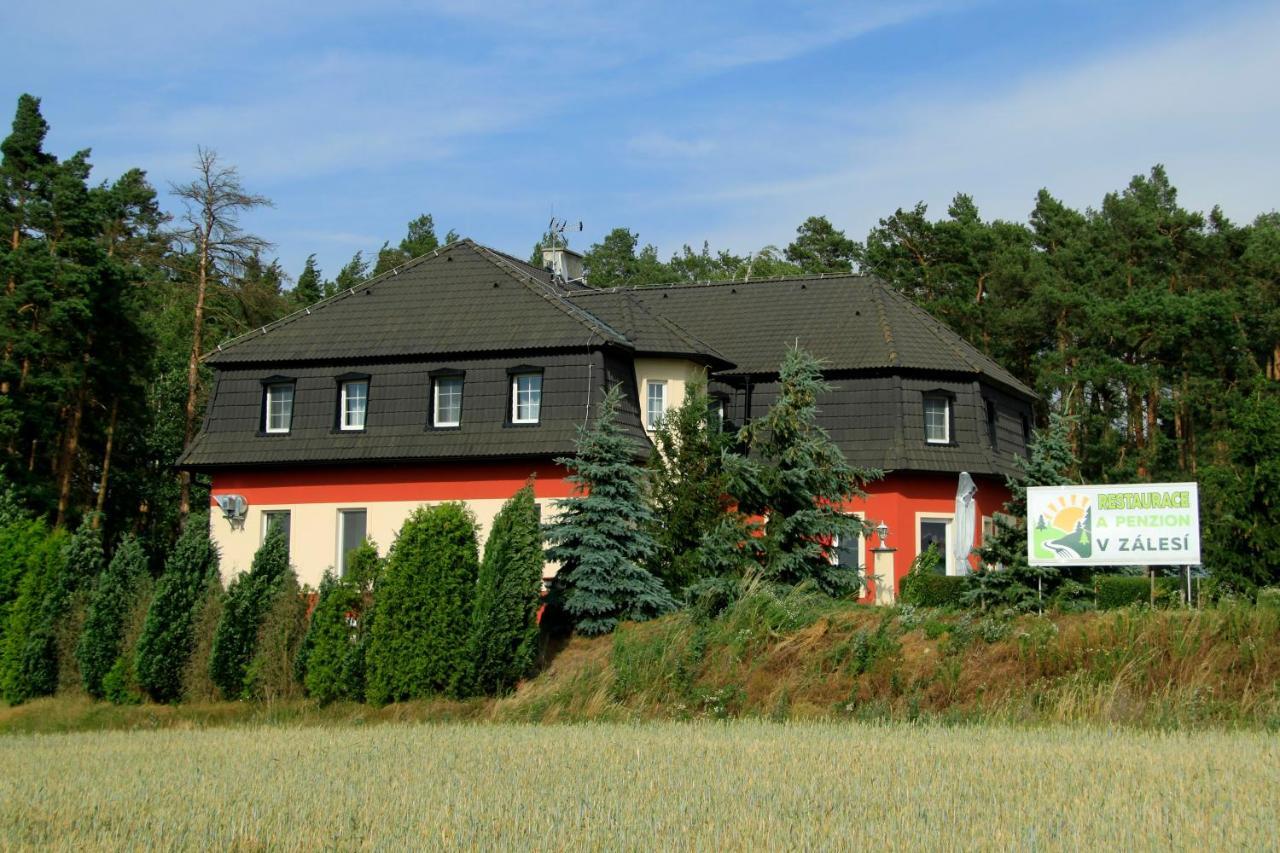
x,y
727,122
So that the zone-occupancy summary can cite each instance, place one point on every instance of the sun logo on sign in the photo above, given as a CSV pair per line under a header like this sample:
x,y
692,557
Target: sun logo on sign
x,y
1065,529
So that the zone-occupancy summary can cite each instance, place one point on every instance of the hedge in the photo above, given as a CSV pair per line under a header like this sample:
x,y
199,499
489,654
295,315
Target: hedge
x,y
933,590
1114,591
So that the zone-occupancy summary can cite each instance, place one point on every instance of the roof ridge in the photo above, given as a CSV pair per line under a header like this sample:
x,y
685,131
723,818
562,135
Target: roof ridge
x,y
305,310
886,329
673,285
552,296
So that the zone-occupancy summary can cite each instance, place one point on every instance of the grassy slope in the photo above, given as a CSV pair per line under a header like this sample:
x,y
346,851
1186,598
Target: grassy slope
x,y
800,656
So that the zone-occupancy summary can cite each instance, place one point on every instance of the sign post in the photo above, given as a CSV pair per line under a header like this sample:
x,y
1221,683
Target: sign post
x,y
1145,524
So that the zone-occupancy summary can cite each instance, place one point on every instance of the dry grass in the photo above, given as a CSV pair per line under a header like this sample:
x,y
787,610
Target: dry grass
x,y
742,785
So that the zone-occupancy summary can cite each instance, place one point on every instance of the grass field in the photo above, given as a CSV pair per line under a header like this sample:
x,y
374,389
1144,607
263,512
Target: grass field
x,y
645,786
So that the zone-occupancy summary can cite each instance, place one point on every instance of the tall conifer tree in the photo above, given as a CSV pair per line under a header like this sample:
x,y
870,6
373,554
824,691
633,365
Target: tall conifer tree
x,y
601,536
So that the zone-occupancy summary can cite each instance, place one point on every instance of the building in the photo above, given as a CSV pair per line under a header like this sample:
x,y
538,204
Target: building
x,y
462,373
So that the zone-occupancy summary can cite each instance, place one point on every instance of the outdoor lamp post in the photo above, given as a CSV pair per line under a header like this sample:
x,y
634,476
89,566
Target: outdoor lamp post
x,y
882,531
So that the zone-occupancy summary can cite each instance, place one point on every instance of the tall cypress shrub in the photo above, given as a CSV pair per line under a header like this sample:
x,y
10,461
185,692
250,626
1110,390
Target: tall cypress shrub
x,y
601,537
422,607
29,659
248,598
167,637
109,604
332,660
504,624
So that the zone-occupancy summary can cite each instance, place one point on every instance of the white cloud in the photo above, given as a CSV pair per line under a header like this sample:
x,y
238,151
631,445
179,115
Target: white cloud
x,y
1203,103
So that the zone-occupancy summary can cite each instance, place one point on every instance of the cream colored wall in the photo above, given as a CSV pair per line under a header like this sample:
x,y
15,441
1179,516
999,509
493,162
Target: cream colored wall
x,y
313,545
676,372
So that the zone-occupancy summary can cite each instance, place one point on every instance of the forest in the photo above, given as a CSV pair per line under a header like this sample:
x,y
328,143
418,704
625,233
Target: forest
x,y
1152,329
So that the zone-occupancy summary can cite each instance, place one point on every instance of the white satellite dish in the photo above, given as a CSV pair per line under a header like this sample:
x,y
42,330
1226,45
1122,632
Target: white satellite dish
x,y
234,508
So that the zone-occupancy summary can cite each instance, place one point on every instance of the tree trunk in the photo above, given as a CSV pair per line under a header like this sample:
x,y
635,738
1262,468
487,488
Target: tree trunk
x,y
106,464
71,443
11,287
193,368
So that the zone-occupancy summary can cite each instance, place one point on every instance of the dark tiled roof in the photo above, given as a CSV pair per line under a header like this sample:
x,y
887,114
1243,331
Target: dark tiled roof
x,y
652,333
850,322
399,412
461,298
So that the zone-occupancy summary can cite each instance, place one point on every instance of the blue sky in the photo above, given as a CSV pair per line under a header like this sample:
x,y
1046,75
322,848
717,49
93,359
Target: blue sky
x,y
727,122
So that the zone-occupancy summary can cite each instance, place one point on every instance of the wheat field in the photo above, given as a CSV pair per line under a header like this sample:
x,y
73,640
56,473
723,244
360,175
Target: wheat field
x,y
736,785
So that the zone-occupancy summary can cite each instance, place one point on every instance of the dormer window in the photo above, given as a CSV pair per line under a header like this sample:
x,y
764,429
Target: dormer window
x,y
526,397
277,406
937,419
446,399
353,402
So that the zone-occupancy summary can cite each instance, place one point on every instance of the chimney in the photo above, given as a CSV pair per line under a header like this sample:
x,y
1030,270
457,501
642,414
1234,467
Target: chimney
x,y
564,263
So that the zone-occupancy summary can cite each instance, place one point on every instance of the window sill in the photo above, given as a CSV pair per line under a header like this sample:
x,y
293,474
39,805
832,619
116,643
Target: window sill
x,y
443,427
941,444
341,431
262,433
522,424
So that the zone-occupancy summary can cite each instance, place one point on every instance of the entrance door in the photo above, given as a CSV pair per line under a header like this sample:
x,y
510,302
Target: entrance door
x,y
938,532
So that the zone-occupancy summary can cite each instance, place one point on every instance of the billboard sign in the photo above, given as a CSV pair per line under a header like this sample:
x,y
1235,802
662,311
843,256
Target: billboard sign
x,y
1146,524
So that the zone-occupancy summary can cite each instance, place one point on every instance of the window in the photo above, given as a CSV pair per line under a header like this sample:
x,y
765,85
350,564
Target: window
x,y
447,404
272,519
1026,431
991,424
936,531
353,527
937,420
846,551
279,407
715,414
354,404
655,403
526,398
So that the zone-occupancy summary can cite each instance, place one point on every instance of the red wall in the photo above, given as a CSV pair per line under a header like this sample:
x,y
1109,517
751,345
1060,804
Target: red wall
x,y
897,498
359,484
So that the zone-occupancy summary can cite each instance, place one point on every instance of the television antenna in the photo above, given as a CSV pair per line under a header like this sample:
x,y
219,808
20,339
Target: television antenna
x,y
557,227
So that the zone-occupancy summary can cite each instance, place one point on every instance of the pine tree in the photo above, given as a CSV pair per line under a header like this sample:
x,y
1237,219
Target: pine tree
x,y
356,271
167,638
687,488
820,247
248,598
504,624
1006,576
332,659
309,288
29,658
793,475
601,536
422,609
113,596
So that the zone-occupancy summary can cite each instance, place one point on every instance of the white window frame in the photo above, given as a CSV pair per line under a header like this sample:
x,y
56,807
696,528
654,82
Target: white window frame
x,y
266,524
515,398
343,412
266,425
436,420
833,556
948,558
946,418
650,386
339,562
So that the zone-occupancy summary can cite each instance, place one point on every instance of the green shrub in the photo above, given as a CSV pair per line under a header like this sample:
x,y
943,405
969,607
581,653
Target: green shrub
x,y
422,607
1269,597
120,684
111,601
925,587
331,662
504,624
1115,591
248,598
197,685
20,543
29,658
168,638
271,675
